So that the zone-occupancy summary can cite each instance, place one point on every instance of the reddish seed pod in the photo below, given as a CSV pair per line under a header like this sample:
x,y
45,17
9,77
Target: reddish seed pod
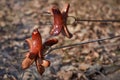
x,y
40,68
47,44
58,21
29,41
35,43
36,52
50,42
66,32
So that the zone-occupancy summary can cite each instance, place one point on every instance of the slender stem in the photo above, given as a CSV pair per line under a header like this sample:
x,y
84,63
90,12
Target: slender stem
x,y
81,20
81,43
108,45
77,20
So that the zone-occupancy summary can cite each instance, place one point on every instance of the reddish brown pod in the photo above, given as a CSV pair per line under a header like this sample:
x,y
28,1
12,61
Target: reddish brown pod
x,y
65,30
41,64
50,42
37,49
40,68
60,21
35,43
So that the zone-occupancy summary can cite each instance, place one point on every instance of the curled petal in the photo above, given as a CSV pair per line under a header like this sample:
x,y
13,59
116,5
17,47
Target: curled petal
x,y
56,30
66,8
45,63
66,32
50,42
40,68
57,16
29,41
65,13
30,58
36,45
58,21
47,44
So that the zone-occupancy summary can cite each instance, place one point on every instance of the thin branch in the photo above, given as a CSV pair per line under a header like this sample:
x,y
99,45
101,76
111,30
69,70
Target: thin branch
x,y
77,20
82,20
108,45
81,43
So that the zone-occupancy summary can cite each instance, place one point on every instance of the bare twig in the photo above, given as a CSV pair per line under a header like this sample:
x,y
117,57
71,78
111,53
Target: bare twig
x,y
77,20
108,45
78,44
81,20
81,43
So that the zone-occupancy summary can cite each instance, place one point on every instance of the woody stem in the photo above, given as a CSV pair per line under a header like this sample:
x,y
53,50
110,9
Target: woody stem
x,y
81,43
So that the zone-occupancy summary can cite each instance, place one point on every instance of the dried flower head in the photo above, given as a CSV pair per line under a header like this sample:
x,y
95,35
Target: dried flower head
x,y
36,52
60,21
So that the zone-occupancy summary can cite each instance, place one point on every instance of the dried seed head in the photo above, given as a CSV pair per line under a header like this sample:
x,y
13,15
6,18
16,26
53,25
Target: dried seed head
x,y
58,21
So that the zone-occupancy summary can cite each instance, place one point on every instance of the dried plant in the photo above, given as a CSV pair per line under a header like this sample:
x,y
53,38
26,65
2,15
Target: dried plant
x,y
37,49
60,21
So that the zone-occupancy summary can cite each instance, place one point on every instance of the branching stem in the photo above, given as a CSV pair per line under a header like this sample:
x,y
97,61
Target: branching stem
x,y
81,43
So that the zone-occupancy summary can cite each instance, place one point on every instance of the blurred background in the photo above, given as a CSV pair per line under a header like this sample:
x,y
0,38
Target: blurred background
x,y
18,18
